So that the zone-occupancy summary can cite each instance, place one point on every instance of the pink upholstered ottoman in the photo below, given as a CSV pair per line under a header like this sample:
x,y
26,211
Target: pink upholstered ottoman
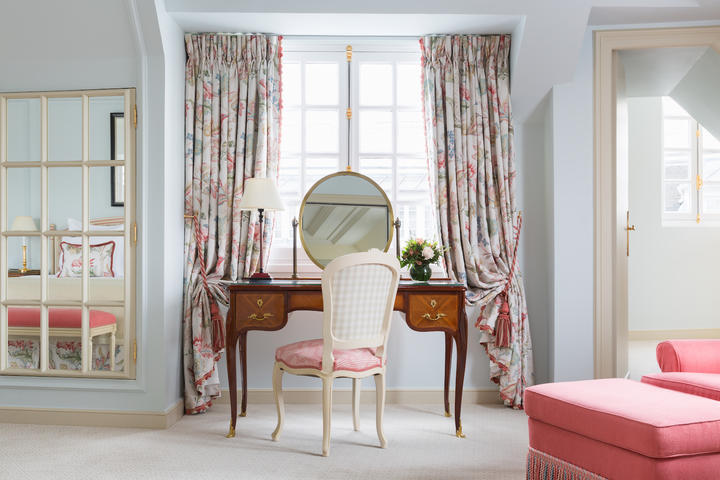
x,y
617,429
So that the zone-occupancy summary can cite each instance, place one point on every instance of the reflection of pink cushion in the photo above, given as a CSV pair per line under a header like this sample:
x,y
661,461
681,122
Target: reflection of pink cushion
x,y
308,354
57,317
701,356
654,422
703,384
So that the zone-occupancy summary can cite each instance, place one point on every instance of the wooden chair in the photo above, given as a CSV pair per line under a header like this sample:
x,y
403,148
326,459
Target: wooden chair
x,y
358,295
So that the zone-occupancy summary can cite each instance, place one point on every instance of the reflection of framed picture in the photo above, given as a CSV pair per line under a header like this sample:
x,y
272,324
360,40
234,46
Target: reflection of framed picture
x,y
117,152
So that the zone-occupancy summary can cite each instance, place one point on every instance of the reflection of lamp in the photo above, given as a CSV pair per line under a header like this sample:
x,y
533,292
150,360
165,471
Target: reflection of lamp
x,y
23,223
260,194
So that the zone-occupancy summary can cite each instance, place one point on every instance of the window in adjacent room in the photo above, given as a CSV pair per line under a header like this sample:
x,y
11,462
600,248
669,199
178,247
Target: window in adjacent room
x,y
691,167
384,137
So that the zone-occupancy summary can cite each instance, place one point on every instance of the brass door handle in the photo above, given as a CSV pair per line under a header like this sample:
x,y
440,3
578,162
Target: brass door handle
x,y
628,228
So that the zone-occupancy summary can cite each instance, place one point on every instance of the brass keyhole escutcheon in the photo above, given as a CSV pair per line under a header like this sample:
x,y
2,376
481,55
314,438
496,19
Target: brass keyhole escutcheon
x,y
259,302
433,303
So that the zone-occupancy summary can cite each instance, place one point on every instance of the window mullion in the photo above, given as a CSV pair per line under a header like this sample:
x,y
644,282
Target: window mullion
x,y
698,171
3,238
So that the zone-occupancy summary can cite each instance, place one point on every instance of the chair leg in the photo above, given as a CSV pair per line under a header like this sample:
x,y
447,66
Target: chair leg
x,y
279,401
327,410
380,407
356,403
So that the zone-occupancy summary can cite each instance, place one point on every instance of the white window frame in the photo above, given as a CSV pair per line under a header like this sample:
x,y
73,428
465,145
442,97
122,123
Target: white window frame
x,y
47,234
697,215
369,49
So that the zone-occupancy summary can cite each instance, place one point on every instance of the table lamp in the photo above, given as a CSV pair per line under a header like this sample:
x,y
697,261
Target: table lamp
x,y
260,194
23,223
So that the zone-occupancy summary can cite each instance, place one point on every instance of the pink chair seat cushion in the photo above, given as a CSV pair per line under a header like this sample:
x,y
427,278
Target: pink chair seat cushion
x,y
703,384
651,421
57,317
308,354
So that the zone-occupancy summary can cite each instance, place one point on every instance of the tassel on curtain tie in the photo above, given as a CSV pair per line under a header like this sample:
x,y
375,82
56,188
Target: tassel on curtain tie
x,y
503,325
218,332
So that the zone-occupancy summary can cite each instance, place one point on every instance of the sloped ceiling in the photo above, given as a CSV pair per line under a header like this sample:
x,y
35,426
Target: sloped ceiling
x,y
547,35
655,72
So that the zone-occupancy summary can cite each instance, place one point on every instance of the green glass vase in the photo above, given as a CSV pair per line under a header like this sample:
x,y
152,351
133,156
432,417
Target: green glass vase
x,y
420,273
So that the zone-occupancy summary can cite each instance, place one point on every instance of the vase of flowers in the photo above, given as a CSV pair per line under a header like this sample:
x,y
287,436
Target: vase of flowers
x,y
419,254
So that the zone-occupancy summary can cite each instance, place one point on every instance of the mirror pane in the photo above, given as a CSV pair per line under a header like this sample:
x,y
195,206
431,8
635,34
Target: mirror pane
x,y
23,337
65,350
111,319
64,196
107,128
65,129
23,285
23,198
65,267
345,213
23,130
104,182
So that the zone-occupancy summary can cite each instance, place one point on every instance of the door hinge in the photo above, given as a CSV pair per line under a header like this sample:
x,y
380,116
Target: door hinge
x,y
135,116
135,233
135,351
697,219
697,133
348,53
698,182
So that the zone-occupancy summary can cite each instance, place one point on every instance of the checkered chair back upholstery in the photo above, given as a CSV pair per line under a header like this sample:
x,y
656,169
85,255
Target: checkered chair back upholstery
x,y
362,294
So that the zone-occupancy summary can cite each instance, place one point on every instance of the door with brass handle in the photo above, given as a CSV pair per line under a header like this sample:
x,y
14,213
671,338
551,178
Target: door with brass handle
x,y
628,228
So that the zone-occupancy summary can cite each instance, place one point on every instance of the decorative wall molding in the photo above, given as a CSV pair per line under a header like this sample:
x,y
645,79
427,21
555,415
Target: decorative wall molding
x,y
93,418
696,333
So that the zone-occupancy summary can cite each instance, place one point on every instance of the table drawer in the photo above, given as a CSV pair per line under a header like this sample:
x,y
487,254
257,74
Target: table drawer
x,y
261,310
432,312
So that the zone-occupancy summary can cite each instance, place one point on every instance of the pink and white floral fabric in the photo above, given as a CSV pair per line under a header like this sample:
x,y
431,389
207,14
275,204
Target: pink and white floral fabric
x,y
232,132
469,130
100,259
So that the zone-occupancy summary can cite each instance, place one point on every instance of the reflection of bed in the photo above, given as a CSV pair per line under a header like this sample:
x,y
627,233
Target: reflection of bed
x,y
64,322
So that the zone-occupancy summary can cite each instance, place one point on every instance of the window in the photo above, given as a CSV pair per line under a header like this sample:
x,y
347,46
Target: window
x,y
384,138
691,167
66,245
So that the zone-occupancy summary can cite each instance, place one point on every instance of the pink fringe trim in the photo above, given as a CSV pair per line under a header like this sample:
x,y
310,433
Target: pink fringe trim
x,y
541,466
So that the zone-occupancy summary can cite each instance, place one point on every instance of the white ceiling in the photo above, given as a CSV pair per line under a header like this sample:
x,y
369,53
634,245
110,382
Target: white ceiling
x,y
547,35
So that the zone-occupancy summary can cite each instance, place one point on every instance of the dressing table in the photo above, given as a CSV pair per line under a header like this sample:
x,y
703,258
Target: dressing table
x,y
342,213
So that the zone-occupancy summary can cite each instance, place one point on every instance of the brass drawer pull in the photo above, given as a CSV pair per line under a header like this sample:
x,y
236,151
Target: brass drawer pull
x,y
437,317
260,317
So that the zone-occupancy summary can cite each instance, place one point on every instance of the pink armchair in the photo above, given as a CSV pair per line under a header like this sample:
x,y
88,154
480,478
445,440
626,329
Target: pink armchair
x,y
699,356
689,366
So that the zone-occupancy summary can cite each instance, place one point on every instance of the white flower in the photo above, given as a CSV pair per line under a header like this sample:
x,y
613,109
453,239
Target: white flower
x,y
428,253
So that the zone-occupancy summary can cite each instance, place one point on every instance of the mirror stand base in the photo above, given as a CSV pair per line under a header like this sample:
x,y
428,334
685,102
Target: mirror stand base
x,y
260,277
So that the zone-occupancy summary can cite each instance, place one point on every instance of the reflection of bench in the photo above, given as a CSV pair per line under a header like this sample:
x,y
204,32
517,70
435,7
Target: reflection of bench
x,y
64,322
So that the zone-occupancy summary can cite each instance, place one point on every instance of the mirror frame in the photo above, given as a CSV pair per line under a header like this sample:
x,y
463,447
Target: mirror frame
x,y
391,213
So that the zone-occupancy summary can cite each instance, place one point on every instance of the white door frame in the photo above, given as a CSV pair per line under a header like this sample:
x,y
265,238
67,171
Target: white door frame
x,y
610,298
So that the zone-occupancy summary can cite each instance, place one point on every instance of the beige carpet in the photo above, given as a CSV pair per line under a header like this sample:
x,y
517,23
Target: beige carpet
x,y
421,445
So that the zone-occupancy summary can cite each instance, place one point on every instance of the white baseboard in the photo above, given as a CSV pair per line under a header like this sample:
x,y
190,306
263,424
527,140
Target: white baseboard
x,y
93,418
686,334
404,396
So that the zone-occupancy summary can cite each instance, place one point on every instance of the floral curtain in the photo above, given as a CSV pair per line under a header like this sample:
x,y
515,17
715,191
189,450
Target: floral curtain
x,y
232,132
468,121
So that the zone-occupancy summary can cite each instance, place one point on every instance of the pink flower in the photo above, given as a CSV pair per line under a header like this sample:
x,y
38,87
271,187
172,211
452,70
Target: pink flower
x,y
420,240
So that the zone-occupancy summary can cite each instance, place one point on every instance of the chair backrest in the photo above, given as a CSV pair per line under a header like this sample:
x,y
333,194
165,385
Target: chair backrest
x,y
358,296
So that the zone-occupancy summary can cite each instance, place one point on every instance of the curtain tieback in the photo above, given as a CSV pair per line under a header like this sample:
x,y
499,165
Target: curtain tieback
x,y
218,332
503,325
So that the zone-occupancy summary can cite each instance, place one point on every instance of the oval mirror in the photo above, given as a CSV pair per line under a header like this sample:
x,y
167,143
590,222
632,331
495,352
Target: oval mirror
x,y
345,212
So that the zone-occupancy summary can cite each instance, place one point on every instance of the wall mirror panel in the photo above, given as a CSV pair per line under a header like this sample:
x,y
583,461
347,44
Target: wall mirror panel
x,y
343,213
67,234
